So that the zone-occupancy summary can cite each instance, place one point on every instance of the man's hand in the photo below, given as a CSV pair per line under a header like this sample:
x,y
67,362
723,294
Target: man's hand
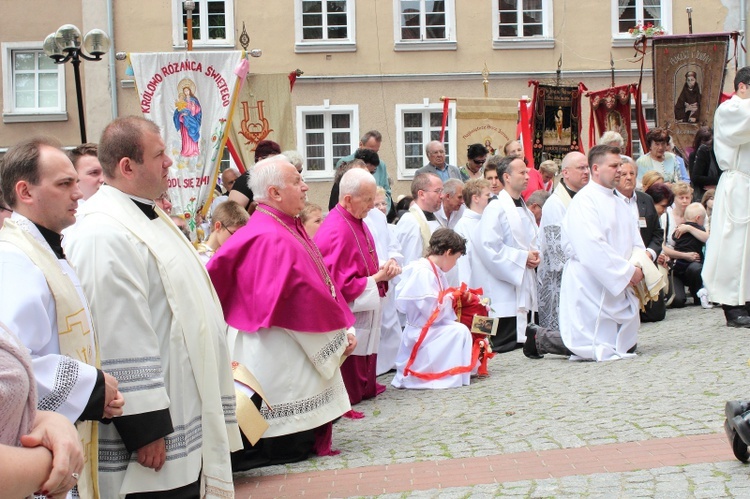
x,y
533,260
392,268
153,455
637,276
662,259
113,399
352,344
55,433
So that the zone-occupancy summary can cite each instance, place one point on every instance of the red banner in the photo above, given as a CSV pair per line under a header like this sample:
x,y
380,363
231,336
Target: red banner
x,y
610,111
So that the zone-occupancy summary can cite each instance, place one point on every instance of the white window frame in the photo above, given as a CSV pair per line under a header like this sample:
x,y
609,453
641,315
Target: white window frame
x,y
426,107
626,39
200,43
11,114
544,41
327,110
348,44
448,43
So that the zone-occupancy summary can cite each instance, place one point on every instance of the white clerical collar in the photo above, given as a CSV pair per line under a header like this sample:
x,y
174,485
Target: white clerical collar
x,y
150,202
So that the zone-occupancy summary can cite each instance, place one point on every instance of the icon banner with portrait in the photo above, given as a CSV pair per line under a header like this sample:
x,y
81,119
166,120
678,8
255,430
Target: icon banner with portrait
x,y
688,80
190,96
556,120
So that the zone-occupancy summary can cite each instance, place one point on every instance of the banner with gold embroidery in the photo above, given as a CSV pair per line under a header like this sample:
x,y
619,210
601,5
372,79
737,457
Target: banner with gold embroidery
x,y
190,96
488,121
263,112
556,120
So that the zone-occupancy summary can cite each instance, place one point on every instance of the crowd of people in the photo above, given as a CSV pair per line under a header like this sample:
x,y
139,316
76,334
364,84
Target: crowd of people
x,y
182,358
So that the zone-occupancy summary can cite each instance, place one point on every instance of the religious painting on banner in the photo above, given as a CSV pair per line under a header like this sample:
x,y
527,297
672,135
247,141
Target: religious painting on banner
x,y
610,111
263,112
556,121
190,96
487,121
688,79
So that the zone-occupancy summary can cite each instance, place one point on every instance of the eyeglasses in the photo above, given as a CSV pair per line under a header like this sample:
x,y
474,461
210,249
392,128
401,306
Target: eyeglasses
x,y
436,191
231,232
5,208
478,161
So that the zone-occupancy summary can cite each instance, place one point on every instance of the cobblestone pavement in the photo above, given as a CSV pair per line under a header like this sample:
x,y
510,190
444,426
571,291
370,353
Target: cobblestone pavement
x,y
687,367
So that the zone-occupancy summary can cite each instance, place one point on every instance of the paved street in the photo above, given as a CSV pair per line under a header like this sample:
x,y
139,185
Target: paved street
x,y
650,426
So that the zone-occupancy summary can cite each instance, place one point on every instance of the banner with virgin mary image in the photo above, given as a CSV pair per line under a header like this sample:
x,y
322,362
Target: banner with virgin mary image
x,y
688,79
610,111
190,96
556,120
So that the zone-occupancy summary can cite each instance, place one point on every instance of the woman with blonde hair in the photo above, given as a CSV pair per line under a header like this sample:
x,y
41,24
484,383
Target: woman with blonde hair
x,y
650,178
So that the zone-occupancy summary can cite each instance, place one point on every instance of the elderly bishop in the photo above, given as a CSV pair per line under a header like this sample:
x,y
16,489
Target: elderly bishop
x,y
350,255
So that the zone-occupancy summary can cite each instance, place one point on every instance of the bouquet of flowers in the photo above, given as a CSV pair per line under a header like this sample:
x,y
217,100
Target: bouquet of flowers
x,y
647,30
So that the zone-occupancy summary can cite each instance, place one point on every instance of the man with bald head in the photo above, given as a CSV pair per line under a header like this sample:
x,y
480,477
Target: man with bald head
x,y
349,252
294,325
160,327
575,173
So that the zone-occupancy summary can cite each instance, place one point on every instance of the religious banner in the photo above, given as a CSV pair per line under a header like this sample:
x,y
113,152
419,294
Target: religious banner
x,y
688,79
263,112
610,111
487,121
190,96
556,120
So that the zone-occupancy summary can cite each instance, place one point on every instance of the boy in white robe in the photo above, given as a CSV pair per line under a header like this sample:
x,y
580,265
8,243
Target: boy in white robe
x,y
476,196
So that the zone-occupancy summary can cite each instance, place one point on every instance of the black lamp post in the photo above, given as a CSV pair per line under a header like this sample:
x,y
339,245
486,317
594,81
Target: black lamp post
x,y
65,45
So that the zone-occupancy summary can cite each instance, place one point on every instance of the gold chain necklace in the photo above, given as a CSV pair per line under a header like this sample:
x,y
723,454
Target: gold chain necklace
x,y
311,249
369,247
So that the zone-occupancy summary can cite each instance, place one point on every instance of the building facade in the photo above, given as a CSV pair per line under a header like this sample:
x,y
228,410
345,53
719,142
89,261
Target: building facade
x,y
375,64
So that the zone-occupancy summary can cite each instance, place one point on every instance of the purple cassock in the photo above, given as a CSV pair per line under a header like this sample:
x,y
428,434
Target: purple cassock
x,y
348,249
269,274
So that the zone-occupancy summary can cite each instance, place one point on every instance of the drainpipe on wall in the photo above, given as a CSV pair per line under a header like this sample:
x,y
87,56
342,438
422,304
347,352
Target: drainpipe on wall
x,y
743,27
112,68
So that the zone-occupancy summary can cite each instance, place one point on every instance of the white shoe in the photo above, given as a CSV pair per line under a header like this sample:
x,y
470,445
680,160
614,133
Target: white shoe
x,y
703,295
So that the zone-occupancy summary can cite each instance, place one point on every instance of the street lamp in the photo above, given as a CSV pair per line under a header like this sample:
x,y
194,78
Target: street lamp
x,y
65,45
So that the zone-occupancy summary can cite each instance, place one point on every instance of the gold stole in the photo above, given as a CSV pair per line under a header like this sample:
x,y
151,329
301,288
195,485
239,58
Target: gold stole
x,y
424,229
73,329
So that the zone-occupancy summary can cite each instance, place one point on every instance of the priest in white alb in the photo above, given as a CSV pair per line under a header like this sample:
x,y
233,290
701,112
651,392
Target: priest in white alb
x,y
599,317
726,273
41,297
161,330
507,250
414,228
575,173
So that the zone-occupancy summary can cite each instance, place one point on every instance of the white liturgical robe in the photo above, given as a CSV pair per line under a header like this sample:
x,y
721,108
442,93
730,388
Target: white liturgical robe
x,y
549,273
726,270
409,234
599,317
465,228
27,307
505,235
162,337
